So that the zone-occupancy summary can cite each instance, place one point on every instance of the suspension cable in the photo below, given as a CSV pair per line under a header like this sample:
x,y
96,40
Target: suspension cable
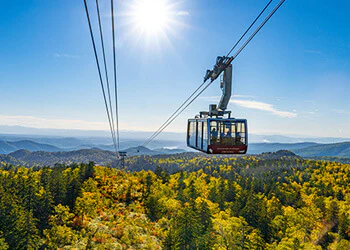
x,y
99,71
183,109
256,19
106,71
258,29
173,117
160,128
115,78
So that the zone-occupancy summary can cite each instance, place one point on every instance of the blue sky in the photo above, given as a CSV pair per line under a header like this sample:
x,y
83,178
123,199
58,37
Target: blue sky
x,y
292,79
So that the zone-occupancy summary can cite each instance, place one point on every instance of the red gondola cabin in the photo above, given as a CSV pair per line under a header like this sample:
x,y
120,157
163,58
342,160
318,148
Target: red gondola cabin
x,y
218,135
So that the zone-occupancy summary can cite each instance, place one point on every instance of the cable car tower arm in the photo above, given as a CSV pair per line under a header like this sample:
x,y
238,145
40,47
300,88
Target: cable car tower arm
x,y
226,86
223,65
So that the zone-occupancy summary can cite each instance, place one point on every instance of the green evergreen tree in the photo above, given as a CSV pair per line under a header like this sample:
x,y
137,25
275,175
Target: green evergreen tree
x,y
188,228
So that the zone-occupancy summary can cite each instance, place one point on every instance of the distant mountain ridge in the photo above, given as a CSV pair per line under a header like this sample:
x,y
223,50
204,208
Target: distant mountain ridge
x,y
258,148
72,144
10,146
305,149
103,157
336,149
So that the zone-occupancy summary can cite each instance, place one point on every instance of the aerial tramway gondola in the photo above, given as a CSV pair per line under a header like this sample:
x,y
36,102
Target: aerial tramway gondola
x,y
215,131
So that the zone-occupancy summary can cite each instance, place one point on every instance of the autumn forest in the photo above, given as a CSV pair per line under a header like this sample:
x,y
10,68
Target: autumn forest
x,y
184,201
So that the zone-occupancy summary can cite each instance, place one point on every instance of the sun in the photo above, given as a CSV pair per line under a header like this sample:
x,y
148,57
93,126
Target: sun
x,y
153,19
152,16
154,25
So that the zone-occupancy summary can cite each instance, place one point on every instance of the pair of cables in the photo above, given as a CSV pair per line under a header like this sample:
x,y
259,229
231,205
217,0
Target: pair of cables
x,y
196,94
113,124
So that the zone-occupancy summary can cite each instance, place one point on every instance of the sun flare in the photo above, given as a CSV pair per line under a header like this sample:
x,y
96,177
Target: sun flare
x,y
151,16
153,19
154,24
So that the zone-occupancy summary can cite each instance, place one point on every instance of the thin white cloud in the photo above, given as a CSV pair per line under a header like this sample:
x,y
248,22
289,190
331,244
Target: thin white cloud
x,y
183,13
263,107
251,104
36,122
66,56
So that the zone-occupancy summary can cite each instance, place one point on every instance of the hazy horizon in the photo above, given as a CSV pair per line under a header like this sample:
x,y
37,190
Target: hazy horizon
x,y
141,136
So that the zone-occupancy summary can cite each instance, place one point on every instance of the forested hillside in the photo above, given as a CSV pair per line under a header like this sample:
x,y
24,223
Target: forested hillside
x,y
103,157
188,201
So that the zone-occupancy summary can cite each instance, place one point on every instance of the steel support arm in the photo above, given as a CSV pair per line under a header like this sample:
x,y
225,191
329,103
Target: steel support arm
x,y
226,87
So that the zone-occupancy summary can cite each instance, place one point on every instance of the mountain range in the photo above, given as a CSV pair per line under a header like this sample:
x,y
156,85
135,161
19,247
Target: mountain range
x,y
48,146
305,149
29,153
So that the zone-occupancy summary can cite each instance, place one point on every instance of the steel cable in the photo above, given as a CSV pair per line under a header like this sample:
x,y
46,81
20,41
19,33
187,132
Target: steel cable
x,y
106,71
99,73
115,78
